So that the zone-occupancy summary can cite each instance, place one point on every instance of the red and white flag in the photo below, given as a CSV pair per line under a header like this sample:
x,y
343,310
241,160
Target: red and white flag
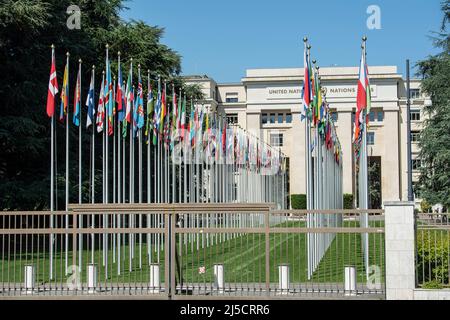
x,y
361,100
52,87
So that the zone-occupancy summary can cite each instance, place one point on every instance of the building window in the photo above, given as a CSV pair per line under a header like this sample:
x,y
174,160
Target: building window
x,y
414,93
232,97
415,136
276,140
288,117
372,116
334,116
280,118
416,164
415,115
232,118
380,116
264,118
370,138
272,118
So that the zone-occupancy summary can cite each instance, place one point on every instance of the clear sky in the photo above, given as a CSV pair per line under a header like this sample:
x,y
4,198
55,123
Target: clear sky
x,y
224,38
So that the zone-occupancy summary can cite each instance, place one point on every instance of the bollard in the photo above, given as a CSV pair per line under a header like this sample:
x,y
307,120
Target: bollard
x,y
30,277
283,278
350,281
92,278
219,282
154,278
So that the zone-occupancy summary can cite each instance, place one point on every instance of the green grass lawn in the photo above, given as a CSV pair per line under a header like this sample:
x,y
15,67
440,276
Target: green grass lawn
x,y
243,258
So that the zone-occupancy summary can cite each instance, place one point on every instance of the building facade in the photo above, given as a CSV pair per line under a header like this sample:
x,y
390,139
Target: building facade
x,y
267,102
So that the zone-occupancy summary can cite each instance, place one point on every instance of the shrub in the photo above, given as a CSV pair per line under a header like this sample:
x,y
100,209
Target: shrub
x,y
298,201
348,201
432,285
432,257
425,206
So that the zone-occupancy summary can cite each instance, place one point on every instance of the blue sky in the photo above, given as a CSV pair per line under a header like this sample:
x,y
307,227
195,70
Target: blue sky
x,y
224,38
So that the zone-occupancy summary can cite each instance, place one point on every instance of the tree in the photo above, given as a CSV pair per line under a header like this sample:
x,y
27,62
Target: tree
x,y
434,181
27,29
374,184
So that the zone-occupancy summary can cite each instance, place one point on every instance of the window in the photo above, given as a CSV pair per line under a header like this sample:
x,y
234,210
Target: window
x,y
232,118
272,118
264,118
380,116
415,136
232,97
416,164
280,118
372,116
288,117
370,138
414,93
415,115
334,116
276,140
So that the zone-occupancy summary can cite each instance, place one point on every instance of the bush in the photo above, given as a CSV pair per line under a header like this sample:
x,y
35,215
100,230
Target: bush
x,y
425,206
348,201
432,257
432,285
298,201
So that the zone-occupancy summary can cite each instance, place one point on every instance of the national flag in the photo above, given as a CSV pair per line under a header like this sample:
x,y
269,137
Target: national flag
x,y
52,87
64,93
140,106
90,103
109,98
306,93
77,99
183,118
150,109
361,99
163,110
120,97
101,106
157,114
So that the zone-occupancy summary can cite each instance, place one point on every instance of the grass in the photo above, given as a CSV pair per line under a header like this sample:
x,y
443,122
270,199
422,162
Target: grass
x,y
243,258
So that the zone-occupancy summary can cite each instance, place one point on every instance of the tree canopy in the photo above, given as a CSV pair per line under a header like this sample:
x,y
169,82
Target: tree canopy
x,y
27,30
434,182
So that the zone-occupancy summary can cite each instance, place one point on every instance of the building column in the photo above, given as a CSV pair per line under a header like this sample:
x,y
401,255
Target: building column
x,y
344,132
297,156
390,159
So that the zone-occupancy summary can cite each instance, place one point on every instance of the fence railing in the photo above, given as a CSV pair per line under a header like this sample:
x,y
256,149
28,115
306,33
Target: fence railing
x,y
433,250
186,251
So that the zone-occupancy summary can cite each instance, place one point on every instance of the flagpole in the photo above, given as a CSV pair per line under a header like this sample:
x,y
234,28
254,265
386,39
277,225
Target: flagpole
x,y
108,94
80,217
52,165
93,165
67,170
149,159
140,164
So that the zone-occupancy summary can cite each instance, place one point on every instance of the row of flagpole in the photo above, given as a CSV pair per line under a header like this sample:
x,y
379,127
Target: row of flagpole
x,y
323,159
193,159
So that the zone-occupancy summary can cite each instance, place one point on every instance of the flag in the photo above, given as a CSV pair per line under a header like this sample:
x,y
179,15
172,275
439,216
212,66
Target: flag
x,y
368,94
163,110
120,98
64,93
52,87
140,106
183,118
306,93
77,99
361,98
157,114
108,100
101,107
90,103
150,108
192,126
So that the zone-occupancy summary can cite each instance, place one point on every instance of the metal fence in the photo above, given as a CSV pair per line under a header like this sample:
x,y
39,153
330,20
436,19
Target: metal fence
x,y
433,250
177,251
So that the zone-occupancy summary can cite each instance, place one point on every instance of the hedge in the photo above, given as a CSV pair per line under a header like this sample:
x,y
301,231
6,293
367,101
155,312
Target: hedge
x,y
298,201
348,201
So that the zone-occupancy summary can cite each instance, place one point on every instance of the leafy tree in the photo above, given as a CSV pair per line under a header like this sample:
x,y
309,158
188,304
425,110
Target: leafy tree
x,y
434,182
27,30
375,184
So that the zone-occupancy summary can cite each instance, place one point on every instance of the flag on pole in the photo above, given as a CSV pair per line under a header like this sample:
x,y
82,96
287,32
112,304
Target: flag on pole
x,y
52,87
120,98
77,99
108,100
163,110
306,93
139,106
90,103
361,98
183,118
64,93
150,109
101,106
157,114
